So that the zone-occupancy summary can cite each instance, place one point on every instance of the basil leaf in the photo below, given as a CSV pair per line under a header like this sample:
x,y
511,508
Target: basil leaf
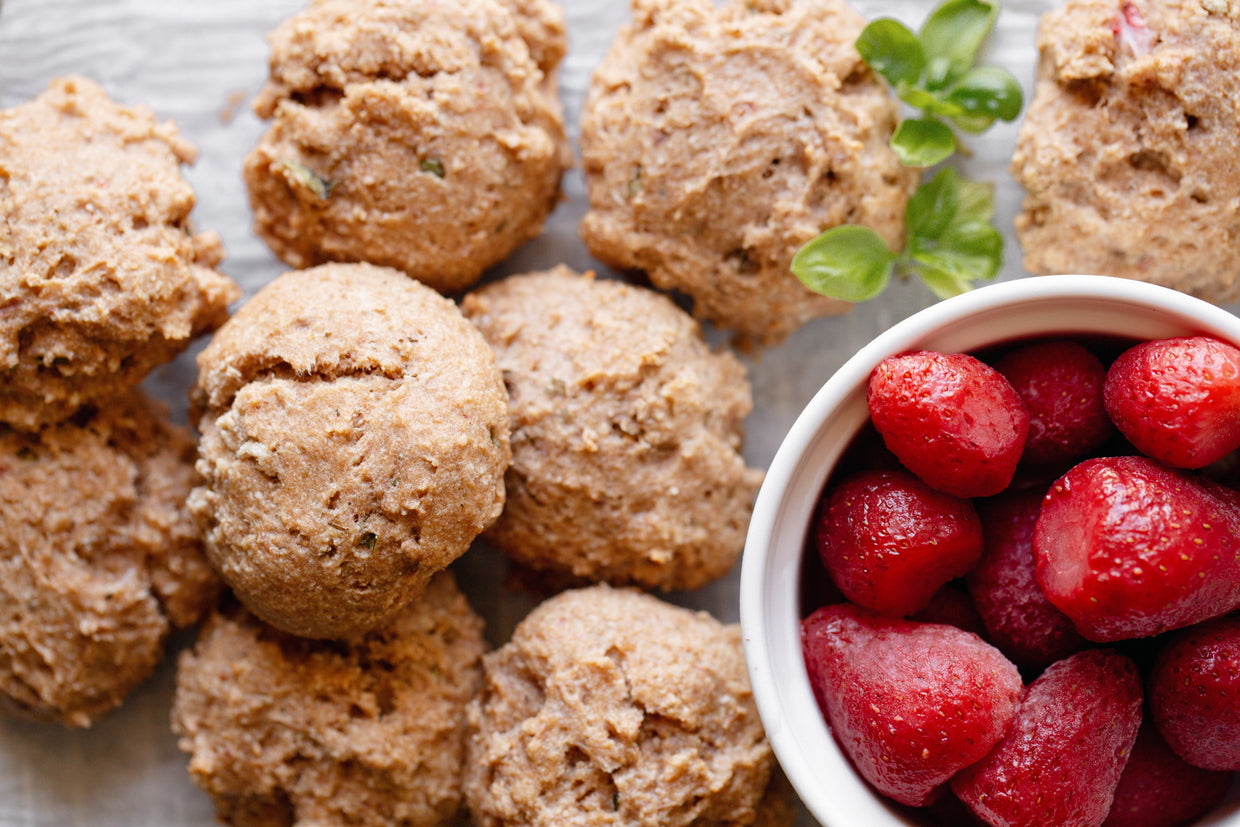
x,y
933,206
987,90
892,50
928,102
977,201
951,36
970,250
973,124
943,285
849,262
923,142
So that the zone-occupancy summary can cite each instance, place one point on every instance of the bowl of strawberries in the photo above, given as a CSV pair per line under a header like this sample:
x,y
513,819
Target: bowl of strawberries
x,y
993,575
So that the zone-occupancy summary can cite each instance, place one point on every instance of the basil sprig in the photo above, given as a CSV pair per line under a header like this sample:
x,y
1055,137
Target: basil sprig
x,y
933,71
949,239
949,243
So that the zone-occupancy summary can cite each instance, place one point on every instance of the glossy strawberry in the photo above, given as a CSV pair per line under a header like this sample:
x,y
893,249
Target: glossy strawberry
x,y
890,541
1127,548
1060,762
1060,384
1195,694
1017,616
910,703
1177,400
1160,789
951,419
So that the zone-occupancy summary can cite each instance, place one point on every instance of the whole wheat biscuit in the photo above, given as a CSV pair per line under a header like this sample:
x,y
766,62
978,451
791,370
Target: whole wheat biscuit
x,y
101,276
99,558
626,433
354,442
425,136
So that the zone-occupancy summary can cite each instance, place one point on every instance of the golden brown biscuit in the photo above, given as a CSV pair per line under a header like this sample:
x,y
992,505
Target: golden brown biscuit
x,y
354,441
285,731
611,707
99,558
101,277
422,135
626,433
1128,152
716,142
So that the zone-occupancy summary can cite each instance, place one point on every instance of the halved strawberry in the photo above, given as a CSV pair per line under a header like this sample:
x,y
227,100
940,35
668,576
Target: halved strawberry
x,y
951,419
1128,548
890,541
1060,383
1177,400
1195,694
910,703
1061,760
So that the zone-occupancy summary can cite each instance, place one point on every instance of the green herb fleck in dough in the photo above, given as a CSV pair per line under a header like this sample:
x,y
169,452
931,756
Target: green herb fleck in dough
x,y
319,185
434,166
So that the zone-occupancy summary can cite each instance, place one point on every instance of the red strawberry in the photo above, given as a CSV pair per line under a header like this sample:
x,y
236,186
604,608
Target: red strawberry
x,y
1195,694
1128,548
953,606
1018,617
951,419
1060,383
1061,760
910,703
1158,789
889,540
1177,400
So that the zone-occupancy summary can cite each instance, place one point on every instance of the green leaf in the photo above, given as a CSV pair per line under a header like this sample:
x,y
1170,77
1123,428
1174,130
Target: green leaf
x,y
923,142
989,91
973,124
977,201
892,50
933,207
850,262
928,102
951,36
943,285
970,250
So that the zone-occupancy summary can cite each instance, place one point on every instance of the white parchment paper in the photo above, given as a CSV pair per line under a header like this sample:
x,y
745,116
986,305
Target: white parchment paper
x,y
199,64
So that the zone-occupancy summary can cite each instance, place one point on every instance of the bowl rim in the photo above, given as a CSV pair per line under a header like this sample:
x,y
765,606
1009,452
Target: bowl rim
x,y
805,748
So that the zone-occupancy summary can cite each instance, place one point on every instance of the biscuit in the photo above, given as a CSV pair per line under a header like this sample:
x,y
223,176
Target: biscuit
x,y
286,731
716,142
354,442
419,135
99,558
609,706
626,433
101,276
1127,153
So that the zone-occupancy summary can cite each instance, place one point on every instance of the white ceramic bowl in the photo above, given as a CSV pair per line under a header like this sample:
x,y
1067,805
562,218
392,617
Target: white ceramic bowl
x,y
771,566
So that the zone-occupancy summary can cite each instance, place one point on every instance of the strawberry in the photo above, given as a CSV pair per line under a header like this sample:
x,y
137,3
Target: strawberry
x,y
890,541
1159,789
910,703
951,419
1017,616
1177,400
1060,384
953,606
1127,548
1061,760
1195,694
